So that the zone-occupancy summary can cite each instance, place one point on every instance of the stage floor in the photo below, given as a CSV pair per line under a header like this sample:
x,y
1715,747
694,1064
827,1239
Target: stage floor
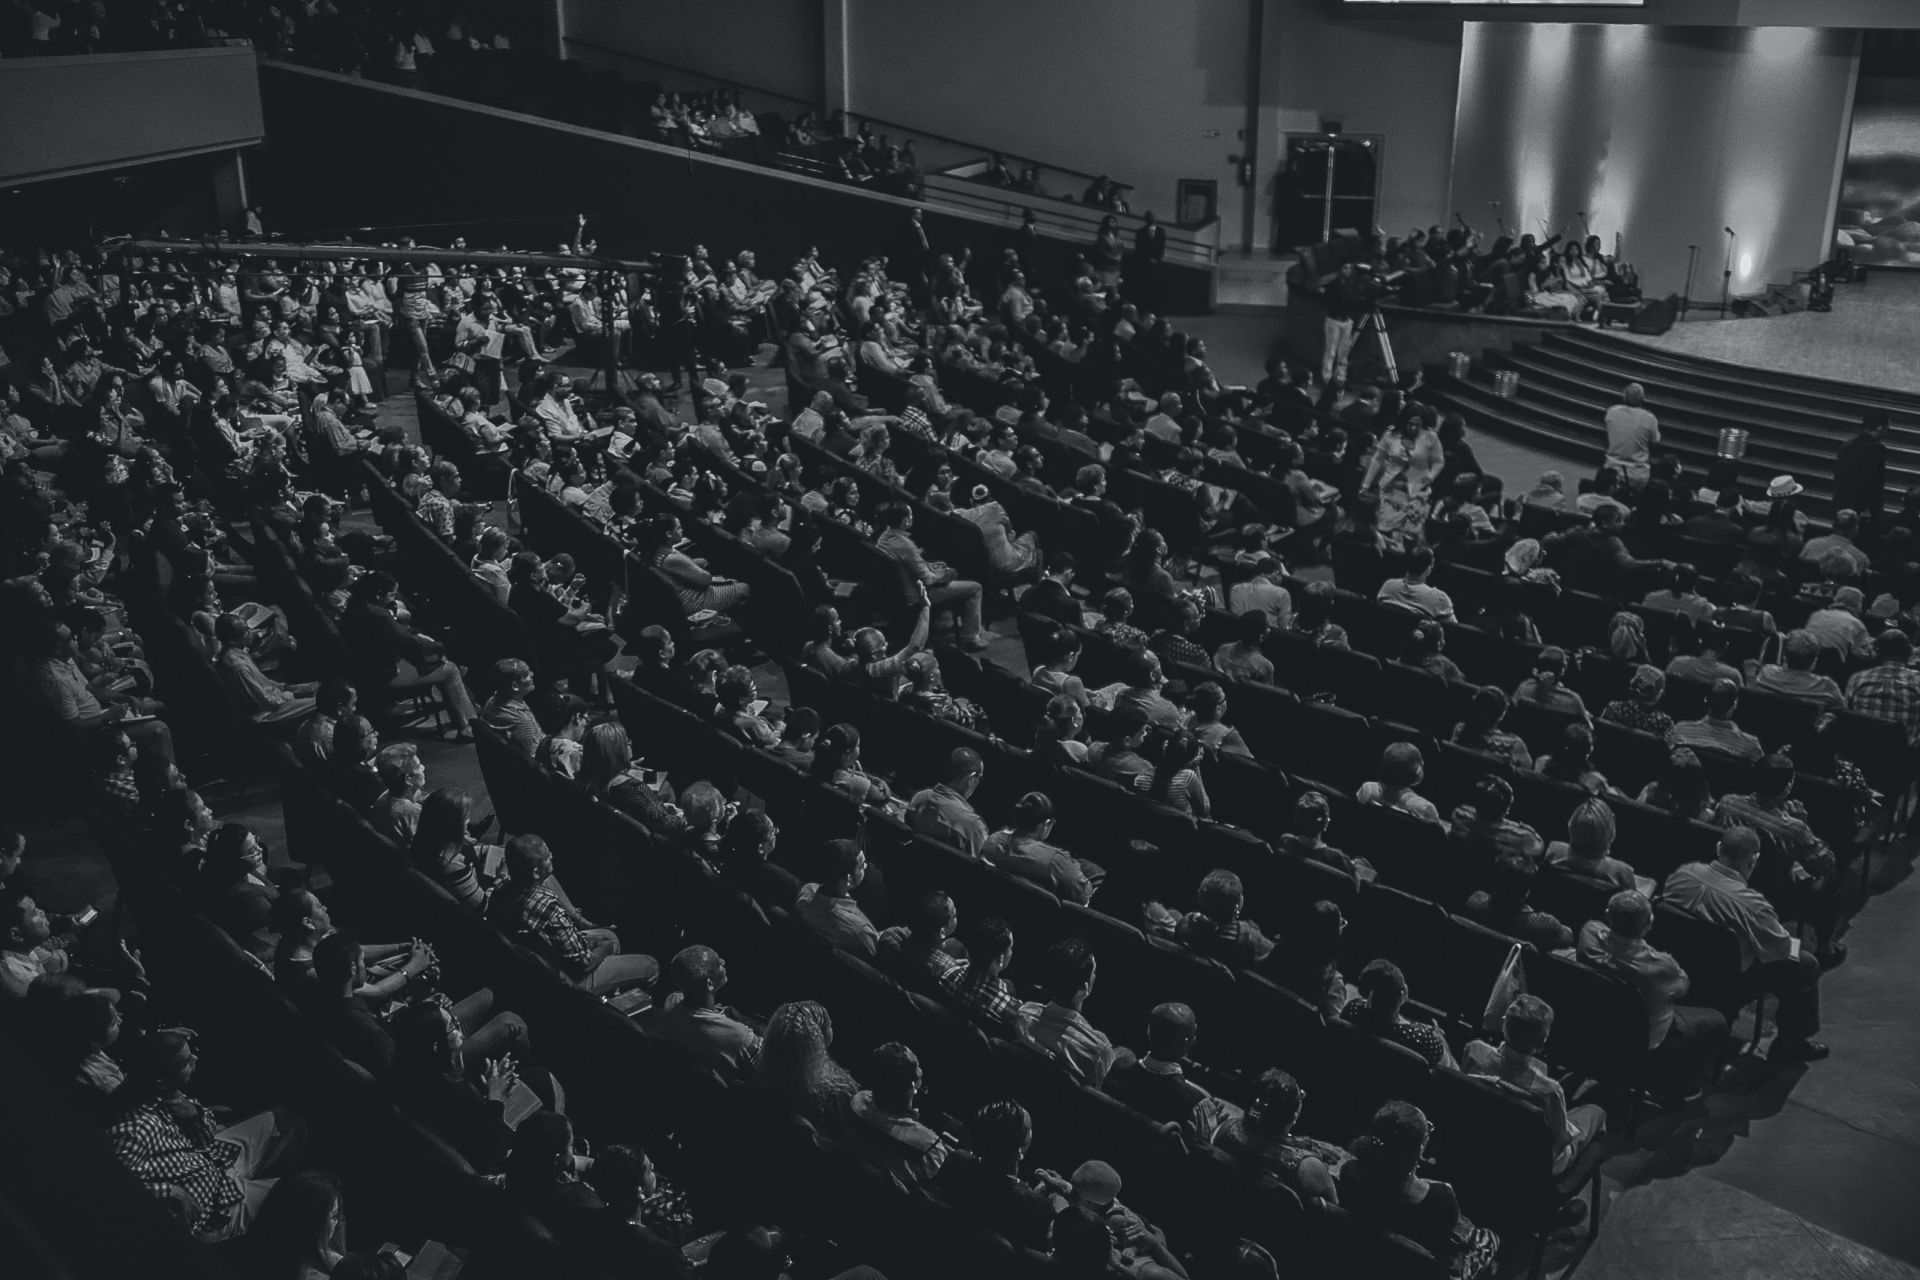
x,y
1871,337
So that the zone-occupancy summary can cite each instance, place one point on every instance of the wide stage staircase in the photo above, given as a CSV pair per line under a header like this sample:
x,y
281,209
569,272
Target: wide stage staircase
x,y
1795,424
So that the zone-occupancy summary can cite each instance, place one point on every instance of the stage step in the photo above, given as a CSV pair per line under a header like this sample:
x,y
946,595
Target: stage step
x,y
1704,369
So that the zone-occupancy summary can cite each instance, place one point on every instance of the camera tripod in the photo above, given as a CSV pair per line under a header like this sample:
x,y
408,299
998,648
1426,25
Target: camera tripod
x,y
1373,321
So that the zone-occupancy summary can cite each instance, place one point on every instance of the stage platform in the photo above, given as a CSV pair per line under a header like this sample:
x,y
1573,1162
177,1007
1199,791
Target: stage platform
x,y
1871,338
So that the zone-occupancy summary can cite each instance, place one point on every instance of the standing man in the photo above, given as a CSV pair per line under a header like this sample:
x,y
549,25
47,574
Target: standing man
x,y
1860,474
1340,295
1632,431
481,340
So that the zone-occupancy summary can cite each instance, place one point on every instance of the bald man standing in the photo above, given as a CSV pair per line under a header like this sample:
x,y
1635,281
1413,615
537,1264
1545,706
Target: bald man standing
x,y
1632,431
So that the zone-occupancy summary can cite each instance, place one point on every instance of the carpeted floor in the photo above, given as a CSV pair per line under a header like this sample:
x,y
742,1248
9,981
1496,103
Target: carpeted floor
x,y
1871,337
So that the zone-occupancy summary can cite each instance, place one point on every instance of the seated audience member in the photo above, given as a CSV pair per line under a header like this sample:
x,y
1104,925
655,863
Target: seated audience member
x,y
1216,930
827,907
836,762
922,952
1052,597
1308,962
1484,823
1306,834
1175,780
696,1024
1058,1028
508,709
1503,905
1683,1038
27,948
980,985
1097,1236
216,1176
1587,852
944,588
1157,1084
1481,730
1264,1139
1524,1029
1401,770
235,890
300,1229
343,1005
1640,709
1771,959
945,810
1144,681
990,1186
1412,592
1682,788
1681,595
1715,731
1119,757
437,1076
1701,658
1261,594
1838,628
1022,849
1116,608
443,848
396,814
259,695
1545,688
1383,1186
885,1119
1889,690
334,701
1175,643
530,912
797,735
1377,1009
1781,822
609,772
1208,703
543,1178
1425,646
380,642
1571,761
796,1068
1794,676
66,693
1242,657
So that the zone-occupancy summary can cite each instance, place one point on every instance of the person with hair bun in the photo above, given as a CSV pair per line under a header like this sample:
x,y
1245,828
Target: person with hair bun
x,y
1383,1185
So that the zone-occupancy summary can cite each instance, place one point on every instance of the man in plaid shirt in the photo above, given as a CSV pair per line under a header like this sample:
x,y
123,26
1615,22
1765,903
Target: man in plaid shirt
x,y
436,505
528,909
1890,691
215,1177
978,986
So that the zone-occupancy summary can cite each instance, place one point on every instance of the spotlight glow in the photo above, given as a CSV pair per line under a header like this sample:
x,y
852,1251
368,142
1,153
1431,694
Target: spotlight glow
x,y
1783,42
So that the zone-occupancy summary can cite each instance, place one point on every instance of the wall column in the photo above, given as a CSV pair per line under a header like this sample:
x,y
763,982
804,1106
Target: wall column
x,y
1250,166
833,77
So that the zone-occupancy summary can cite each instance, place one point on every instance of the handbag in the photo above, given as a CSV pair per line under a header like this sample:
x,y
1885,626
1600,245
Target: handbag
x,y
1509,983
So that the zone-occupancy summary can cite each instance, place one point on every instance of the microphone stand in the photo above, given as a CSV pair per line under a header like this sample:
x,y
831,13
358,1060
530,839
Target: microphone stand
x,y
1686,296
1726,277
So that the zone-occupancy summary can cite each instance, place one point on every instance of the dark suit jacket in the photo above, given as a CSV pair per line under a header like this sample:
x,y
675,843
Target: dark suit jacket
x,y
1051,600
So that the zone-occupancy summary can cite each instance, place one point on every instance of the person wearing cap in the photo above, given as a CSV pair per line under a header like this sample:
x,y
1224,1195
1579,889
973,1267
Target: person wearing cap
x,y
1838,626
1683,1038
1632,432
1771,959
1839,541
1889,690
1795,678
1715,731
945,810
1097,1236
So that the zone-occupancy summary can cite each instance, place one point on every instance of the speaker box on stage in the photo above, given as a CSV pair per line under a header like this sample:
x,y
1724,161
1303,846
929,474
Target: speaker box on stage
x,y
1656,315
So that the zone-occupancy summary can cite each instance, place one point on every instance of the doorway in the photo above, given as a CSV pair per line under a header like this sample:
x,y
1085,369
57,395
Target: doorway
x,y
1328,183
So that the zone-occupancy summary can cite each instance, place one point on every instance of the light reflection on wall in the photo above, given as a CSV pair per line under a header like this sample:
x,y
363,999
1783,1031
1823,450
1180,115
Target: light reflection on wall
x,y
1662,135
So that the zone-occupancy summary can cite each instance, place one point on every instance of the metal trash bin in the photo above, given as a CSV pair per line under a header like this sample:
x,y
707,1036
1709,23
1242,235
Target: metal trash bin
x,y
1733,443
1505,383
1459,365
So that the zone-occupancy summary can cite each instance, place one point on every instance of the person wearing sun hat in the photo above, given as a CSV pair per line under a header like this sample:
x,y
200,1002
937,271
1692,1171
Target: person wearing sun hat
x,y
1782,487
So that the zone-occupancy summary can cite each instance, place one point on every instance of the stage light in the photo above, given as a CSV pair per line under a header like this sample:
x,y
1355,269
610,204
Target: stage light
x,y
1746,266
